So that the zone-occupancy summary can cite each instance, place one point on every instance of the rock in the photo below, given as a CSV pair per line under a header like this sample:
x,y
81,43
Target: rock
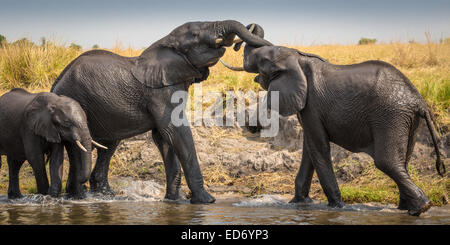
x,y
241,153
290,135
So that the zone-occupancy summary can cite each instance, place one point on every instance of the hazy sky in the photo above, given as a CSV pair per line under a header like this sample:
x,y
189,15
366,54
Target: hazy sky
x,y
138,23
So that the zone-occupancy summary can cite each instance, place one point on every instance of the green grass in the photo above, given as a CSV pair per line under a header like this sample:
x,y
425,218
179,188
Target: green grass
x,y
375,186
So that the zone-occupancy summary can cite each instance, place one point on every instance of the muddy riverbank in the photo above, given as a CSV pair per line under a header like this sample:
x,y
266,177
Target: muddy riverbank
x,y
235,160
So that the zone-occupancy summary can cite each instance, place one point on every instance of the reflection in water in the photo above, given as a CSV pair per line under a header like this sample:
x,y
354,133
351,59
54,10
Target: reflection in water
x,y
145,208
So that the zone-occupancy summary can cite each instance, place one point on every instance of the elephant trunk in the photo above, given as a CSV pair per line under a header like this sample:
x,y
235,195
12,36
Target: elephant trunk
x,y
228,27
257,31
86,158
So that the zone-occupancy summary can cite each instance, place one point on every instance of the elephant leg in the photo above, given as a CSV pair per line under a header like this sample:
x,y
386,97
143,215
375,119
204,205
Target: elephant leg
x,y
99,176
171,165
403,205
180,138
56,169
390,157
318,146
303,179
73,186
37,163
13,188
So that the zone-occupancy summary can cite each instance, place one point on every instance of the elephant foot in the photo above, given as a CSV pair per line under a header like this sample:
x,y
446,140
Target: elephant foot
x,y
75,191
402,205
298,199
417,212
76,196
336,204
14,195
202,196
54,192
172,196
103,189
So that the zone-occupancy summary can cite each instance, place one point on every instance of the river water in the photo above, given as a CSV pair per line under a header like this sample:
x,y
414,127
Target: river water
x,y
140,202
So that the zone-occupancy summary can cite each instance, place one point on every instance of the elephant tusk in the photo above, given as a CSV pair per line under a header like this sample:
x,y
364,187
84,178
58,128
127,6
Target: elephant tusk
x,y
219,40
238,40
99,145
252,27
232,67
81,146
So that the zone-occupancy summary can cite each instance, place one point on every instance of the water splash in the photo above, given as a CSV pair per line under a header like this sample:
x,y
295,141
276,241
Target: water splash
x,y
140,190
126,190
264,201
279,201
34,199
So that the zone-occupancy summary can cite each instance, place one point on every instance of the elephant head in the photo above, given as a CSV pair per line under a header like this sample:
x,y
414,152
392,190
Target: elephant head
x,y
279,69
58,119
186,53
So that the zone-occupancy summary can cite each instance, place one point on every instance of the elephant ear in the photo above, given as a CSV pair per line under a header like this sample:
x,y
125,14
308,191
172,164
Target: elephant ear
x,y
162,67
292,86
38,118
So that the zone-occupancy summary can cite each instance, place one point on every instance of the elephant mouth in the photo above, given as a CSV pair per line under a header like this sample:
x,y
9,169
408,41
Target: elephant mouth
x,y
212,62
264,81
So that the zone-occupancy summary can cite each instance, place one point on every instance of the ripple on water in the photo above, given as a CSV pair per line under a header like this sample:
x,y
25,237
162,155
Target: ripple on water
x,y
279,201
140,202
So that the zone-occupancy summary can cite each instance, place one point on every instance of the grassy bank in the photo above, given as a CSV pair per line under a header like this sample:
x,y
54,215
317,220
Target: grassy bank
x,y
426,65
35,67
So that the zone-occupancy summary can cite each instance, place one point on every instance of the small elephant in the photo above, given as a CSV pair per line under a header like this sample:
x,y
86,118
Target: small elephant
x,y
35,125
127,96
369,107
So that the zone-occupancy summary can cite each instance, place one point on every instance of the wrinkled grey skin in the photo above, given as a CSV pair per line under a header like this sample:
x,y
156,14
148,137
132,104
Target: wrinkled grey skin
x,y
35,125
126,96
369,107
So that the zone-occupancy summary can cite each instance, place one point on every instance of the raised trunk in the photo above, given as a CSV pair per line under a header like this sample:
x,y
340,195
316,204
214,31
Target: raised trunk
x,y
258,31
232,26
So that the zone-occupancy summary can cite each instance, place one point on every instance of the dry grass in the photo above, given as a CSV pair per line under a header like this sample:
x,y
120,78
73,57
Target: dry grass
x,y
426,65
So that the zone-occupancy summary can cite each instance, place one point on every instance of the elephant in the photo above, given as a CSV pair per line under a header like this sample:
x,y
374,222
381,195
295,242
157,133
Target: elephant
x,y
127,96
33,125
369,107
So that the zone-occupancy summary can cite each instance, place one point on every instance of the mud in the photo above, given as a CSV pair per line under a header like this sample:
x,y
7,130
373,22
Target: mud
x,y
230,156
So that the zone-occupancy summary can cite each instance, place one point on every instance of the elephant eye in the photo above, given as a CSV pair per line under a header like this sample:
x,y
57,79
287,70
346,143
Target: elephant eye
x,y
65,123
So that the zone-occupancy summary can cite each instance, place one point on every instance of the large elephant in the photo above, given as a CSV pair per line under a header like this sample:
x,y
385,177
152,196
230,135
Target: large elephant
x,y
35,125
369,107
126,96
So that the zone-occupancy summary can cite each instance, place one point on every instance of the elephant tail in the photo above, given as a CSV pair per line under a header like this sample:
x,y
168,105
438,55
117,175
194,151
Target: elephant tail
x,y
440,167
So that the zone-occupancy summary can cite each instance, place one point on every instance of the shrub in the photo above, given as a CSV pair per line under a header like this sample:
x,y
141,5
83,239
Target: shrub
x,y
75,46
2,40
364,41
23,42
